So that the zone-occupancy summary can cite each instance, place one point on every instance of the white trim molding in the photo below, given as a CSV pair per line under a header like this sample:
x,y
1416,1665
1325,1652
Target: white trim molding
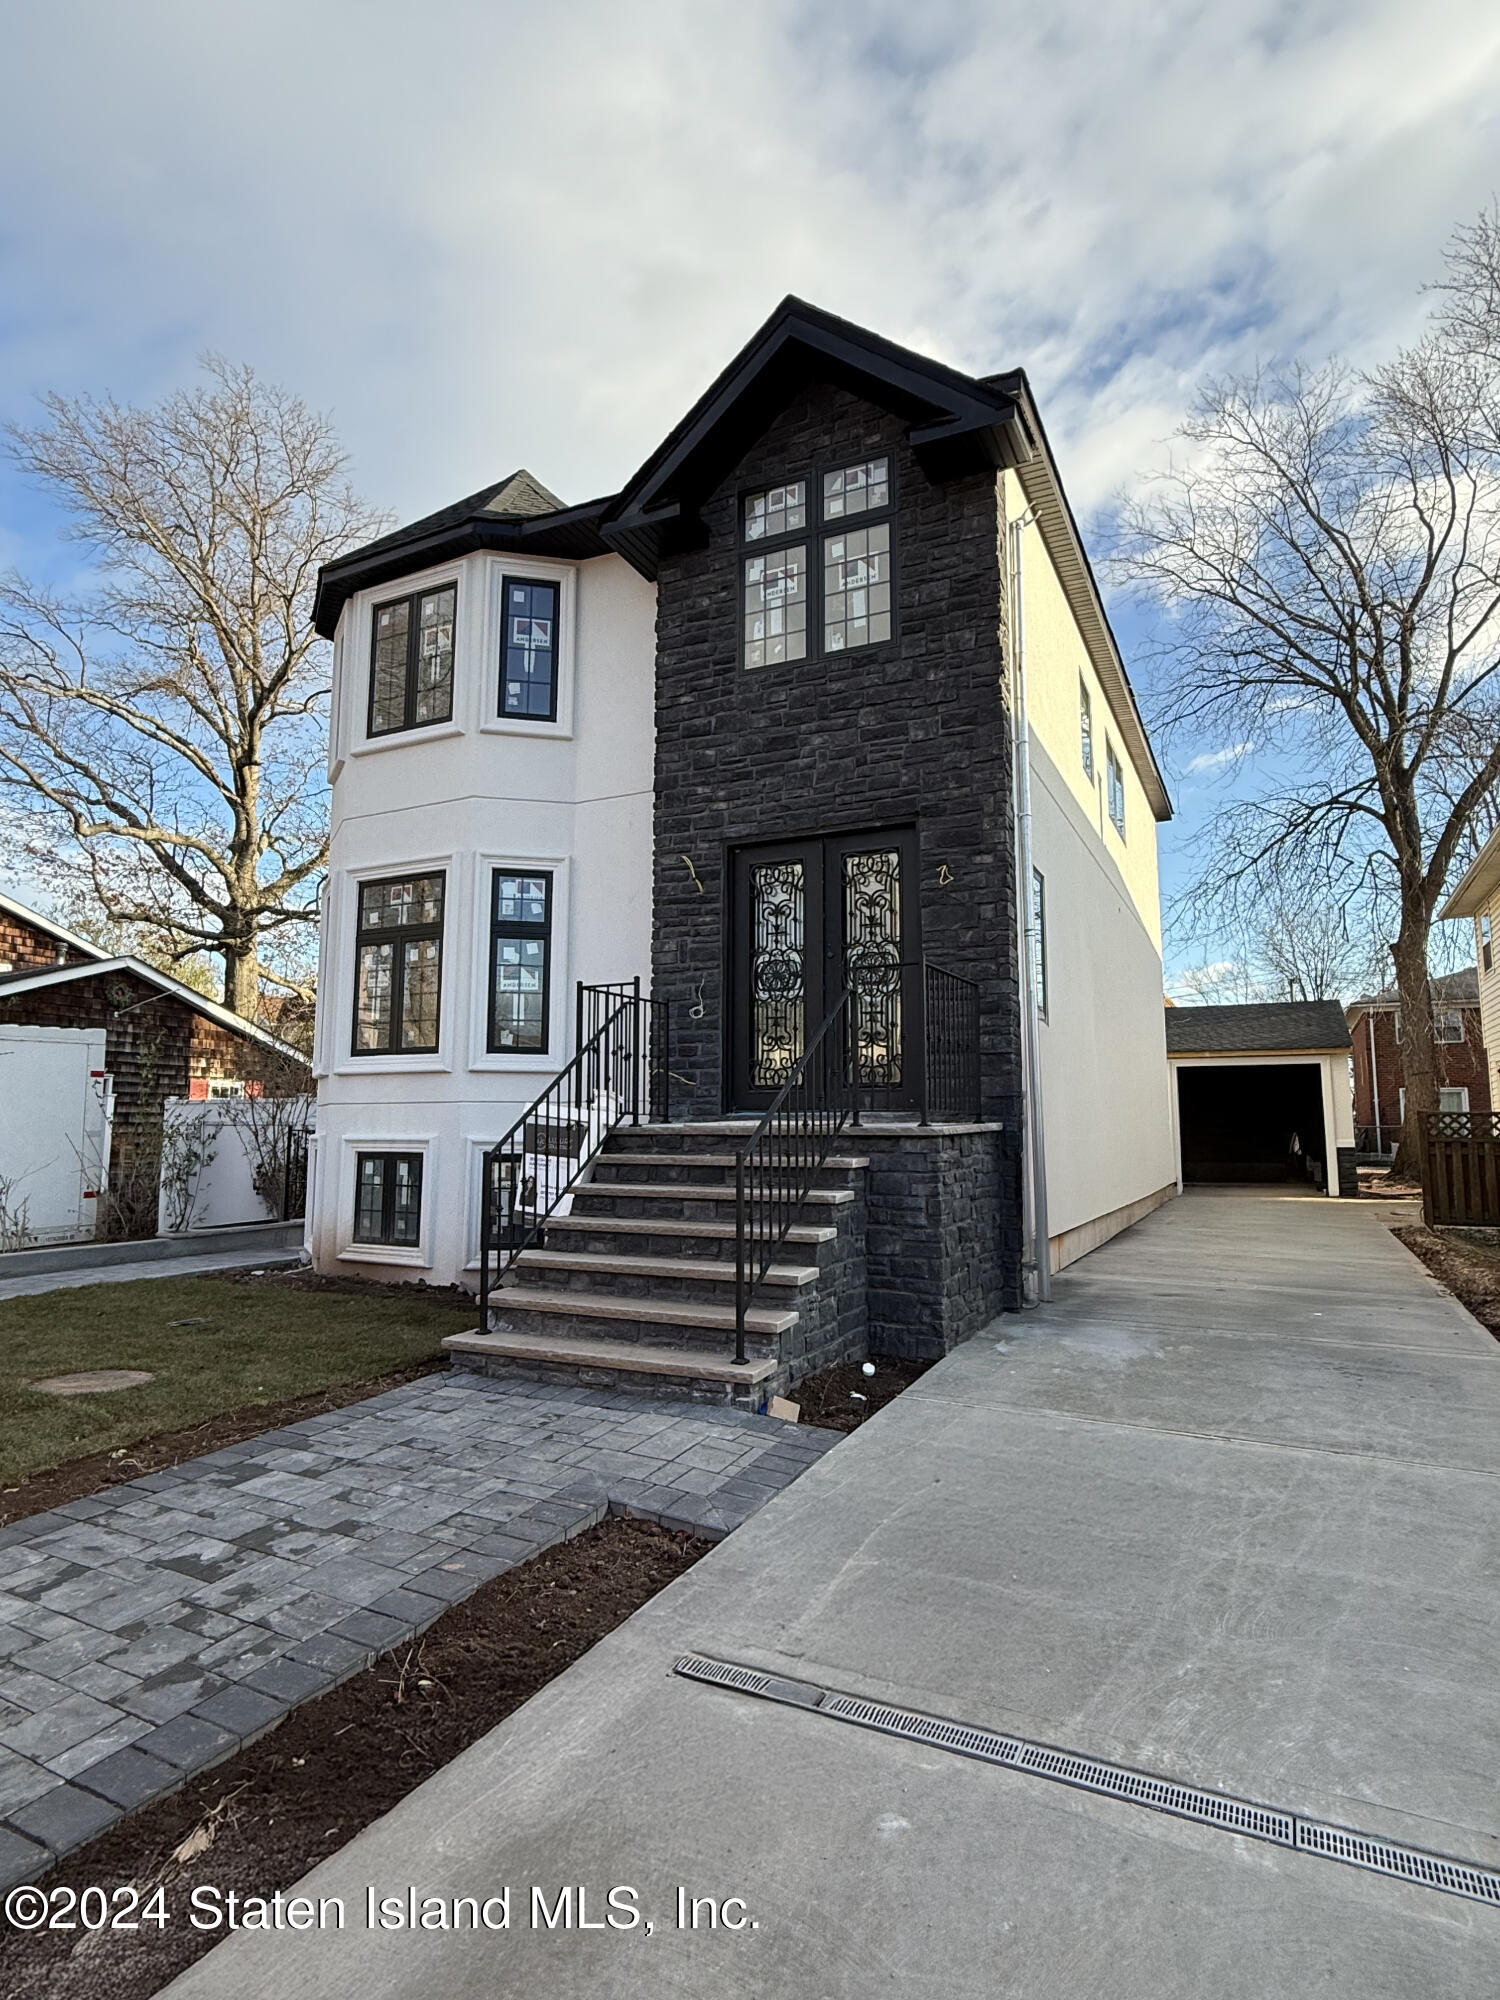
x,y
416,1256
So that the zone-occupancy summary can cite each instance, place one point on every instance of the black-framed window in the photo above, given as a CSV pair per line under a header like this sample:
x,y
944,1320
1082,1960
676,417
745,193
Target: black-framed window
x,y
1486,954
1115,772
849,558
528,649
398,968
1086,727
520,962
1039,940
388,1198
411,661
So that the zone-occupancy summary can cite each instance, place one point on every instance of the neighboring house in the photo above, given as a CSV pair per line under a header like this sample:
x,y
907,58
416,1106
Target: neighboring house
x,y
751,731
1379,1078
1262,1093
1477,897
160,1040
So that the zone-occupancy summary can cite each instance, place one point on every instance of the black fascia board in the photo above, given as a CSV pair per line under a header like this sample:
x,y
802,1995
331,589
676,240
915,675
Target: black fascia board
x,y
959,423
572,535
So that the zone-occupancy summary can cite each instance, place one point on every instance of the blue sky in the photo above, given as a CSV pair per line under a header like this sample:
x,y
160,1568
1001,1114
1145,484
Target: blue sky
x,y
485,234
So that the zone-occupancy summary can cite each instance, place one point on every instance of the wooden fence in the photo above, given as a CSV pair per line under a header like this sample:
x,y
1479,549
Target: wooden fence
x,y
1461,1177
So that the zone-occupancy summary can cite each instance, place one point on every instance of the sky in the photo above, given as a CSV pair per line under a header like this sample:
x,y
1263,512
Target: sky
x,y
491,233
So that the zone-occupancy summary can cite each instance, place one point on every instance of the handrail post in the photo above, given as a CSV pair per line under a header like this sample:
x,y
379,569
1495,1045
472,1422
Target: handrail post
x,y
923,1104
485,1233
635,1051
739,1258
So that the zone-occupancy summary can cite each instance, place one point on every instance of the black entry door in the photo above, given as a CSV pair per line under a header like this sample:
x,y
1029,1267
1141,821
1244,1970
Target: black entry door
x,y
811,918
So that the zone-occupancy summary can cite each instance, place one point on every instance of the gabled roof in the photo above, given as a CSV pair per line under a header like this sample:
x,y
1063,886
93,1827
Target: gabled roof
x,y
1280,1027
1449,989
1479,882
11,908
516,512
61,975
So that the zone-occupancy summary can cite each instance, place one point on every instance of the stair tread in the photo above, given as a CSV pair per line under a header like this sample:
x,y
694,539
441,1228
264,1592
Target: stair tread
x,y
720,1270
836,1162
629,1356
686,1190
650,1225
666,1312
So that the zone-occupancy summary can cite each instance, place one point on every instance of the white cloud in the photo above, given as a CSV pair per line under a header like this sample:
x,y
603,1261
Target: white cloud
x,y
1216,760
489,236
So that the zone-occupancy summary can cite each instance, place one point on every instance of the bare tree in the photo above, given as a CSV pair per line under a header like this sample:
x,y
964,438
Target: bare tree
x,y
1328,557
165,729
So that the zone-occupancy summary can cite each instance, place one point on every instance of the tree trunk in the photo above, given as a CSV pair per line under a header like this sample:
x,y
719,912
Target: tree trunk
x,y
242,977
1416,1041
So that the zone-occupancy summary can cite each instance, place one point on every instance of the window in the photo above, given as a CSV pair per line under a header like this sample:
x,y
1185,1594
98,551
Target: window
x,y
411,661
528,652
1116,777
398,966
853,564
1086,727
1039,940
388,1198
1448,1025
1448,1100
1485,958
520,968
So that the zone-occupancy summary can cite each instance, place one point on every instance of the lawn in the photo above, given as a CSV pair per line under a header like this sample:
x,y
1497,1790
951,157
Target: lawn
x,y
254,1341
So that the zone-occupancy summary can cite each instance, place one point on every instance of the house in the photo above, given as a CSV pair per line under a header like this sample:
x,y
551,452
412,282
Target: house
x,y
148,1038
1477,898
1379,1079
1261,1093
824,701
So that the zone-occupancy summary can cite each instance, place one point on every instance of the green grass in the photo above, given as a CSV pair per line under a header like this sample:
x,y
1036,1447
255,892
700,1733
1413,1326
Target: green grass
x,y
263,1343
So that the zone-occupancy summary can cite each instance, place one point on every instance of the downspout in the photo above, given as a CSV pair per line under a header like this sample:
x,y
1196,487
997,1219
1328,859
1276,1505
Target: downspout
x,y
1036,1252
1374,1078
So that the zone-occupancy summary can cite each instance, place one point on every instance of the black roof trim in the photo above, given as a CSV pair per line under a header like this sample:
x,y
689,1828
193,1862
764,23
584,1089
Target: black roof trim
x,y
959,422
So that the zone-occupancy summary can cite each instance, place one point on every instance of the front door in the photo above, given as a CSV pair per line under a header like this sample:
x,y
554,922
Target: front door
x,y
810,919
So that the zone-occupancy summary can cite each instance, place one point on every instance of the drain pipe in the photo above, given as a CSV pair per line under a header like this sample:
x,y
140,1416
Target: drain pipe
x,y
1036,1253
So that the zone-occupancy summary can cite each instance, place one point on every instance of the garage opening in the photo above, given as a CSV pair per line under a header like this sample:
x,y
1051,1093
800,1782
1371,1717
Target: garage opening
x,y
1252,1122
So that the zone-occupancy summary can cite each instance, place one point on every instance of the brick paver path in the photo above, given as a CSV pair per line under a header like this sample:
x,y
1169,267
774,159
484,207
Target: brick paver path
x,y
148,1631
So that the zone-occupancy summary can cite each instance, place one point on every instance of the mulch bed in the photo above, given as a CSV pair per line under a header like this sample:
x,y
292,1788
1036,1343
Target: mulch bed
x,y
81,1476
842,1398
259,1822
1471,1271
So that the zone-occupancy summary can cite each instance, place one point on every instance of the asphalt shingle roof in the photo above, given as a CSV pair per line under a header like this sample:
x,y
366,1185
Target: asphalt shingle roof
x,y
1258,1025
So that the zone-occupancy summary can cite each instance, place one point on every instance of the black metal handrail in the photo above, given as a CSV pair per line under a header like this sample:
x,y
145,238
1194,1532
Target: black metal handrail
x,y
776,1166
620,1069
950,1045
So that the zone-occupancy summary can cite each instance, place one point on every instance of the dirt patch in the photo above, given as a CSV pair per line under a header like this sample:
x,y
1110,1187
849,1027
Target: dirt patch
x,y
1380,1184
82,1476
1471,1271
842,1398
259,1822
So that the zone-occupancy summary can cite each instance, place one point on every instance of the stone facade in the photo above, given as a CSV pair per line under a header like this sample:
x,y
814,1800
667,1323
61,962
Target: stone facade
x,y
943,1239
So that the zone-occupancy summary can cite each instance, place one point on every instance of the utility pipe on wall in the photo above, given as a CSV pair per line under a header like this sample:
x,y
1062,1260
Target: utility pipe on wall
x,y
1036,1252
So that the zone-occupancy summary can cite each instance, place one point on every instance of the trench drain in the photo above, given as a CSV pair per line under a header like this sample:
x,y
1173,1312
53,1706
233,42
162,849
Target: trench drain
x,y
1116,1781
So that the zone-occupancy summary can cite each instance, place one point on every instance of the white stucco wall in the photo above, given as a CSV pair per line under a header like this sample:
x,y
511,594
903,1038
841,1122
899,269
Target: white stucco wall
x,y
1102,1047
466,798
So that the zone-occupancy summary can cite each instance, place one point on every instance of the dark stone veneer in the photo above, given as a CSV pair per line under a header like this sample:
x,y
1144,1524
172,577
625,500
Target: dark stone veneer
x,y
913,733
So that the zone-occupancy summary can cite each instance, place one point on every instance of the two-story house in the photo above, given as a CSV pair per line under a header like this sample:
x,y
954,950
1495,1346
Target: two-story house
x,y
820,715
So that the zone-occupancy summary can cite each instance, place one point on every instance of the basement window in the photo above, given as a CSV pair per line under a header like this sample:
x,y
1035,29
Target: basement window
x,y
388,1198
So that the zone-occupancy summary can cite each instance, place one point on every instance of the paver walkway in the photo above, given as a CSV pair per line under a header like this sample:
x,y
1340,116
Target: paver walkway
x,y
148,1631
1226,1512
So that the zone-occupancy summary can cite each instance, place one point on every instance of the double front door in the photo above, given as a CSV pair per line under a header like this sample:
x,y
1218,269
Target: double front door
x,y
811,919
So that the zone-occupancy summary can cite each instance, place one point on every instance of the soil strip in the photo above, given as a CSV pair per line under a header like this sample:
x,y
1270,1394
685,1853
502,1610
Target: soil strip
x,y
260,1821
1471,1271
844,1397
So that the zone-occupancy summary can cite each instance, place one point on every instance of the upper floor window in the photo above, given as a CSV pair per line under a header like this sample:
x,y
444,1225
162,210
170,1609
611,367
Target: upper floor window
x,y
1485,955
411,661
1448,1025
520,963
1086,727
528,653
398,966
1039,940
1116,776
852,565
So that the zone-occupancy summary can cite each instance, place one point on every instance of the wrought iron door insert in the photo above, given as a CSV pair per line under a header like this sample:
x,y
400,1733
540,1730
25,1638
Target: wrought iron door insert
x,y
811,920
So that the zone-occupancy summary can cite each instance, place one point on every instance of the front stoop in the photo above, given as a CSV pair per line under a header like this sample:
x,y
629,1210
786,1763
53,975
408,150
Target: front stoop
x,y
634,1289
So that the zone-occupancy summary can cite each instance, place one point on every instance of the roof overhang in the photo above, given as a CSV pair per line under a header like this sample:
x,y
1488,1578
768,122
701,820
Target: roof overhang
x,y
10,907
1478,884
225,1017
957,423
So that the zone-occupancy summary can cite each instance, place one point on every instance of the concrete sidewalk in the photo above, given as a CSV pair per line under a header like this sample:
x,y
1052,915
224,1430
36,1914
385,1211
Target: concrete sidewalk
x,y
1225,1512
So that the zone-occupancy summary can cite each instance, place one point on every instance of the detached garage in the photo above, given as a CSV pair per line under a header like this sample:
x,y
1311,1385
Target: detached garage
x,y
1262,1093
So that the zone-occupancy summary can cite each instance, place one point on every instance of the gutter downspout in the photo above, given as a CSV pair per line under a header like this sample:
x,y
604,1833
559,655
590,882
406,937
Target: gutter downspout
x,y
1036,1250
1374,1078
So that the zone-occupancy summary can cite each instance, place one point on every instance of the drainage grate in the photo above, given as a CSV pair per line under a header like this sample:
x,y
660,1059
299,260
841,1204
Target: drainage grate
x,y
1091,1774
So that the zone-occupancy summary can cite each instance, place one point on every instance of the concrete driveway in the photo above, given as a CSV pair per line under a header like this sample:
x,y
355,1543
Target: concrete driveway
x,y
1224,1512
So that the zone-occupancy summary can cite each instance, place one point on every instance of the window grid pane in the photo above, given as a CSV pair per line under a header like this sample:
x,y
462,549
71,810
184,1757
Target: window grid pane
x,y
434,675
856,489
1086,727
388,696
780,510
1116,778
398,966
519,950
857,588
373,989
528,672
388,1198
776,607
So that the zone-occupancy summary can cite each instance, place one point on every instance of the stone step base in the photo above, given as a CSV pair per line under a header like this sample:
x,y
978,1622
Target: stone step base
x,y
511,1301
689,1191
621,1364
716,1271
804,1235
